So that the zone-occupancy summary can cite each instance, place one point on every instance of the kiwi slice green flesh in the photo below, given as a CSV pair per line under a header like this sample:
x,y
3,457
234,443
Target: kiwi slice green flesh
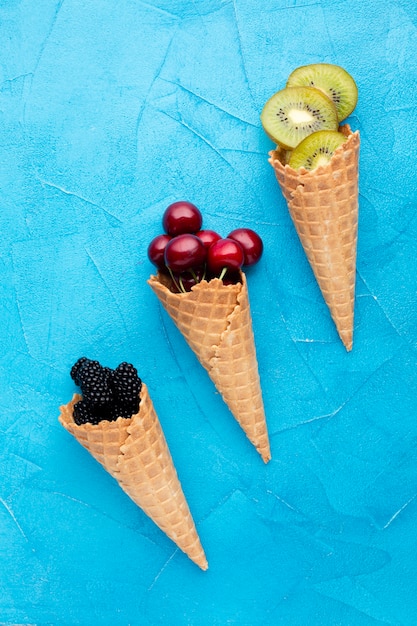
x,y
316,149
333,80
293,113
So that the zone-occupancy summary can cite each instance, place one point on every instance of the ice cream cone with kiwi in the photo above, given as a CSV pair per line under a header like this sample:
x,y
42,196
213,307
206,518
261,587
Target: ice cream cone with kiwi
x,y
115,420
201,285
316,165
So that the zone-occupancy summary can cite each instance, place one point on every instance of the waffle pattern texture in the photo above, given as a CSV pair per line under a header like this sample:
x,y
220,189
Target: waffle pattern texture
x,y
134,451
323,204
216,322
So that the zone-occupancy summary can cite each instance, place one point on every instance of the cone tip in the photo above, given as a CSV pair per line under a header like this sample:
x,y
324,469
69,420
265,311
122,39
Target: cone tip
x,y
347,340
199,559
265,452
203,564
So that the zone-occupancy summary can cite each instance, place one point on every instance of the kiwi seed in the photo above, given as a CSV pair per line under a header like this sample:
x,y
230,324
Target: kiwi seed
x,y
333,80
293,113
316,149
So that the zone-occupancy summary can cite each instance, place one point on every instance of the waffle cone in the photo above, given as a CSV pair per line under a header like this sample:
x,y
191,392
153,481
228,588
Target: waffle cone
x,y
323,204
134,451
216,322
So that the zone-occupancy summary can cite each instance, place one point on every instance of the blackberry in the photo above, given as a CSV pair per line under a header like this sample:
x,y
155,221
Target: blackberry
x,y
127,409
127,385
87,368
108,373
107,394
76,368
95,416
82,413
94,383
119,410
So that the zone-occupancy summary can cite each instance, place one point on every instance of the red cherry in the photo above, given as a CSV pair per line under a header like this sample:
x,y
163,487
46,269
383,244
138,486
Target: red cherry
x,y
208,237
224,254
251,244
232,277
181,217
156,250
184,252
186,280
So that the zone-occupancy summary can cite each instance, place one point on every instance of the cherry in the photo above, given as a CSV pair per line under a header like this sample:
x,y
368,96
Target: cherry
x,y
224,254
185,280
251,244
181,217
231,277
184,252
208,237
156,250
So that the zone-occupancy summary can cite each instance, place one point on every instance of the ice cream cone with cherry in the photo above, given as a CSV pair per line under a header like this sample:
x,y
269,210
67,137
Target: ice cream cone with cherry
x,y
201,285
316,165
115,420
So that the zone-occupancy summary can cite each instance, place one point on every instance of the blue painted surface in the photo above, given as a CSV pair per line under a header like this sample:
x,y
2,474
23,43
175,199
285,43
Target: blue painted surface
x,y
109,111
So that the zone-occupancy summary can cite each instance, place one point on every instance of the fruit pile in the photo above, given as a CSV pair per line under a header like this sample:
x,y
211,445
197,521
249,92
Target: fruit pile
x,y
303,119
107,394
189,254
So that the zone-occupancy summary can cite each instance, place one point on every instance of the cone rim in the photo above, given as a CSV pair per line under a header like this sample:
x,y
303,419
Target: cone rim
x,y
275,161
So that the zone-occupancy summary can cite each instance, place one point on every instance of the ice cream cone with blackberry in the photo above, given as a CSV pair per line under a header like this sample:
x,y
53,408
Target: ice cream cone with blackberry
x,y
201,285
115,420
316,164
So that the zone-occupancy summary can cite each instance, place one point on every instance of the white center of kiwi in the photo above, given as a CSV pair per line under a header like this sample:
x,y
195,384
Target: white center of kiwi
x,y
322,160
300,116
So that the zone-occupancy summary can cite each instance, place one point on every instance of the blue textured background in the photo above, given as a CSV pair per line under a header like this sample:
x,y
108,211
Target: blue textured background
x,y
109,111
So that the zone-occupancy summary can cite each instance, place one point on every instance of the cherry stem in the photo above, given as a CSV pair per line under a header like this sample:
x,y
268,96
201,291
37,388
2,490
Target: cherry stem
x,y
182,285
223,272
180,288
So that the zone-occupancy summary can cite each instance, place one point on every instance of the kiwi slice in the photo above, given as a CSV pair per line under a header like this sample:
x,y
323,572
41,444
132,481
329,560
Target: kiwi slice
x,y
316,149
333,80
295,112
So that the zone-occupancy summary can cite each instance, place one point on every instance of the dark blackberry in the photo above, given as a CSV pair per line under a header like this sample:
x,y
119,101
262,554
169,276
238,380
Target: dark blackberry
x,y
130,408
82,413
127,385
108,373
107,394
87,368
76,368
97,394
94,383
96,416
120,410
